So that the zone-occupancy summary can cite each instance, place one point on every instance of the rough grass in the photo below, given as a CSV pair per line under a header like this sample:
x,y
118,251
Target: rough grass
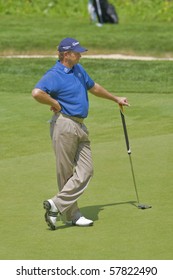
x,y
41,35
128,10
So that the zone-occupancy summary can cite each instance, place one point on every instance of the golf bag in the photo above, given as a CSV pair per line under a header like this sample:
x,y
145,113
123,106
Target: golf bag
x,y
106,13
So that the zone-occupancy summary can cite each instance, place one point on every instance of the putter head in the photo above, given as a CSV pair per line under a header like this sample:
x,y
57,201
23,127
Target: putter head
x,y
144,206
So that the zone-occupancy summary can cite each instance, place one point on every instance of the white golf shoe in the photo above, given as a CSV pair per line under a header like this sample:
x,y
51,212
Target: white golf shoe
x,y
83,222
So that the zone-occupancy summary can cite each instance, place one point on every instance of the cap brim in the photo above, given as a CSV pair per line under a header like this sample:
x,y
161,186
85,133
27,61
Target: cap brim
x,y
79,49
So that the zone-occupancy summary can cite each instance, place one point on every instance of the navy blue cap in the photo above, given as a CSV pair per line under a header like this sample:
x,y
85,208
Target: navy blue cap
x,y
70,44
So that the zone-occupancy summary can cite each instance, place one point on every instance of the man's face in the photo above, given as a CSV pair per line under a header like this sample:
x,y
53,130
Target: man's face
x,y
73,57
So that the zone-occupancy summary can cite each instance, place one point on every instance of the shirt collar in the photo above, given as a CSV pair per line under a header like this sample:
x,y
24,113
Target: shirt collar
x,y
64,68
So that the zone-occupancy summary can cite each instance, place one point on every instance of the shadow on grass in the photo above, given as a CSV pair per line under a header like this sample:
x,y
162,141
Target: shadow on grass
x,y
93,211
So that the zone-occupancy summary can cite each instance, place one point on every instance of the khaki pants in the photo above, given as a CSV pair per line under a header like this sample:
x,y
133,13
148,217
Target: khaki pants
x,y
73,162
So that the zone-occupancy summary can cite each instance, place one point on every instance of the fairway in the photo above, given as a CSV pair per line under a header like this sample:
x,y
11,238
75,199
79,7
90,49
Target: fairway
x,y
27,166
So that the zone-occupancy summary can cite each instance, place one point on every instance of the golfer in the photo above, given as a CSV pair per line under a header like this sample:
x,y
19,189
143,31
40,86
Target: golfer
x,y
65,89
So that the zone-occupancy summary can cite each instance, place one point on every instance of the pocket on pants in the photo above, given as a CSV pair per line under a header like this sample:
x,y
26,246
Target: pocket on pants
x,y
65,128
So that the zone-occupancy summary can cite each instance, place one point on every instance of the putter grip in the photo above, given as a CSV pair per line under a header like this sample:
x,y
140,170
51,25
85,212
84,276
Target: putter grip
x,y
125,132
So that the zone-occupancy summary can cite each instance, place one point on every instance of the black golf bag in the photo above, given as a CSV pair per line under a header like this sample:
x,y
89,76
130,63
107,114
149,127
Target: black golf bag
x,y
106,13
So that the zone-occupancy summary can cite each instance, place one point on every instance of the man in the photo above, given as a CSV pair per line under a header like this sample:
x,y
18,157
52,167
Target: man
x,y
64,88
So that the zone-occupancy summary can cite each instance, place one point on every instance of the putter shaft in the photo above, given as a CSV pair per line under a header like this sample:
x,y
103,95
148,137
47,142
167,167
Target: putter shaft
x,y
128,150
134,180
140,206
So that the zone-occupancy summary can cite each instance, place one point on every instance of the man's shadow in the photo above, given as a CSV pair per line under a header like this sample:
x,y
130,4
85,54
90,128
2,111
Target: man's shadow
x,y
93,211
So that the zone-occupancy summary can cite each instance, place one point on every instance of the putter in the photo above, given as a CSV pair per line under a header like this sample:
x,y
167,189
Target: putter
x,y
140,206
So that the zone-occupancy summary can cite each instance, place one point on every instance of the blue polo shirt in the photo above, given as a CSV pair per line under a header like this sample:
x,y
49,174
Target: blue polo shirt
x,y
69,87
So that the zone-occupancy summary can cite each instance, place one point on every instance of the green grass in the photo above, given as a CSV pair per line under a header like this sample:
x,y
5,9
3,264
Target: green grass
x,y
41,35
27,165
141,10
